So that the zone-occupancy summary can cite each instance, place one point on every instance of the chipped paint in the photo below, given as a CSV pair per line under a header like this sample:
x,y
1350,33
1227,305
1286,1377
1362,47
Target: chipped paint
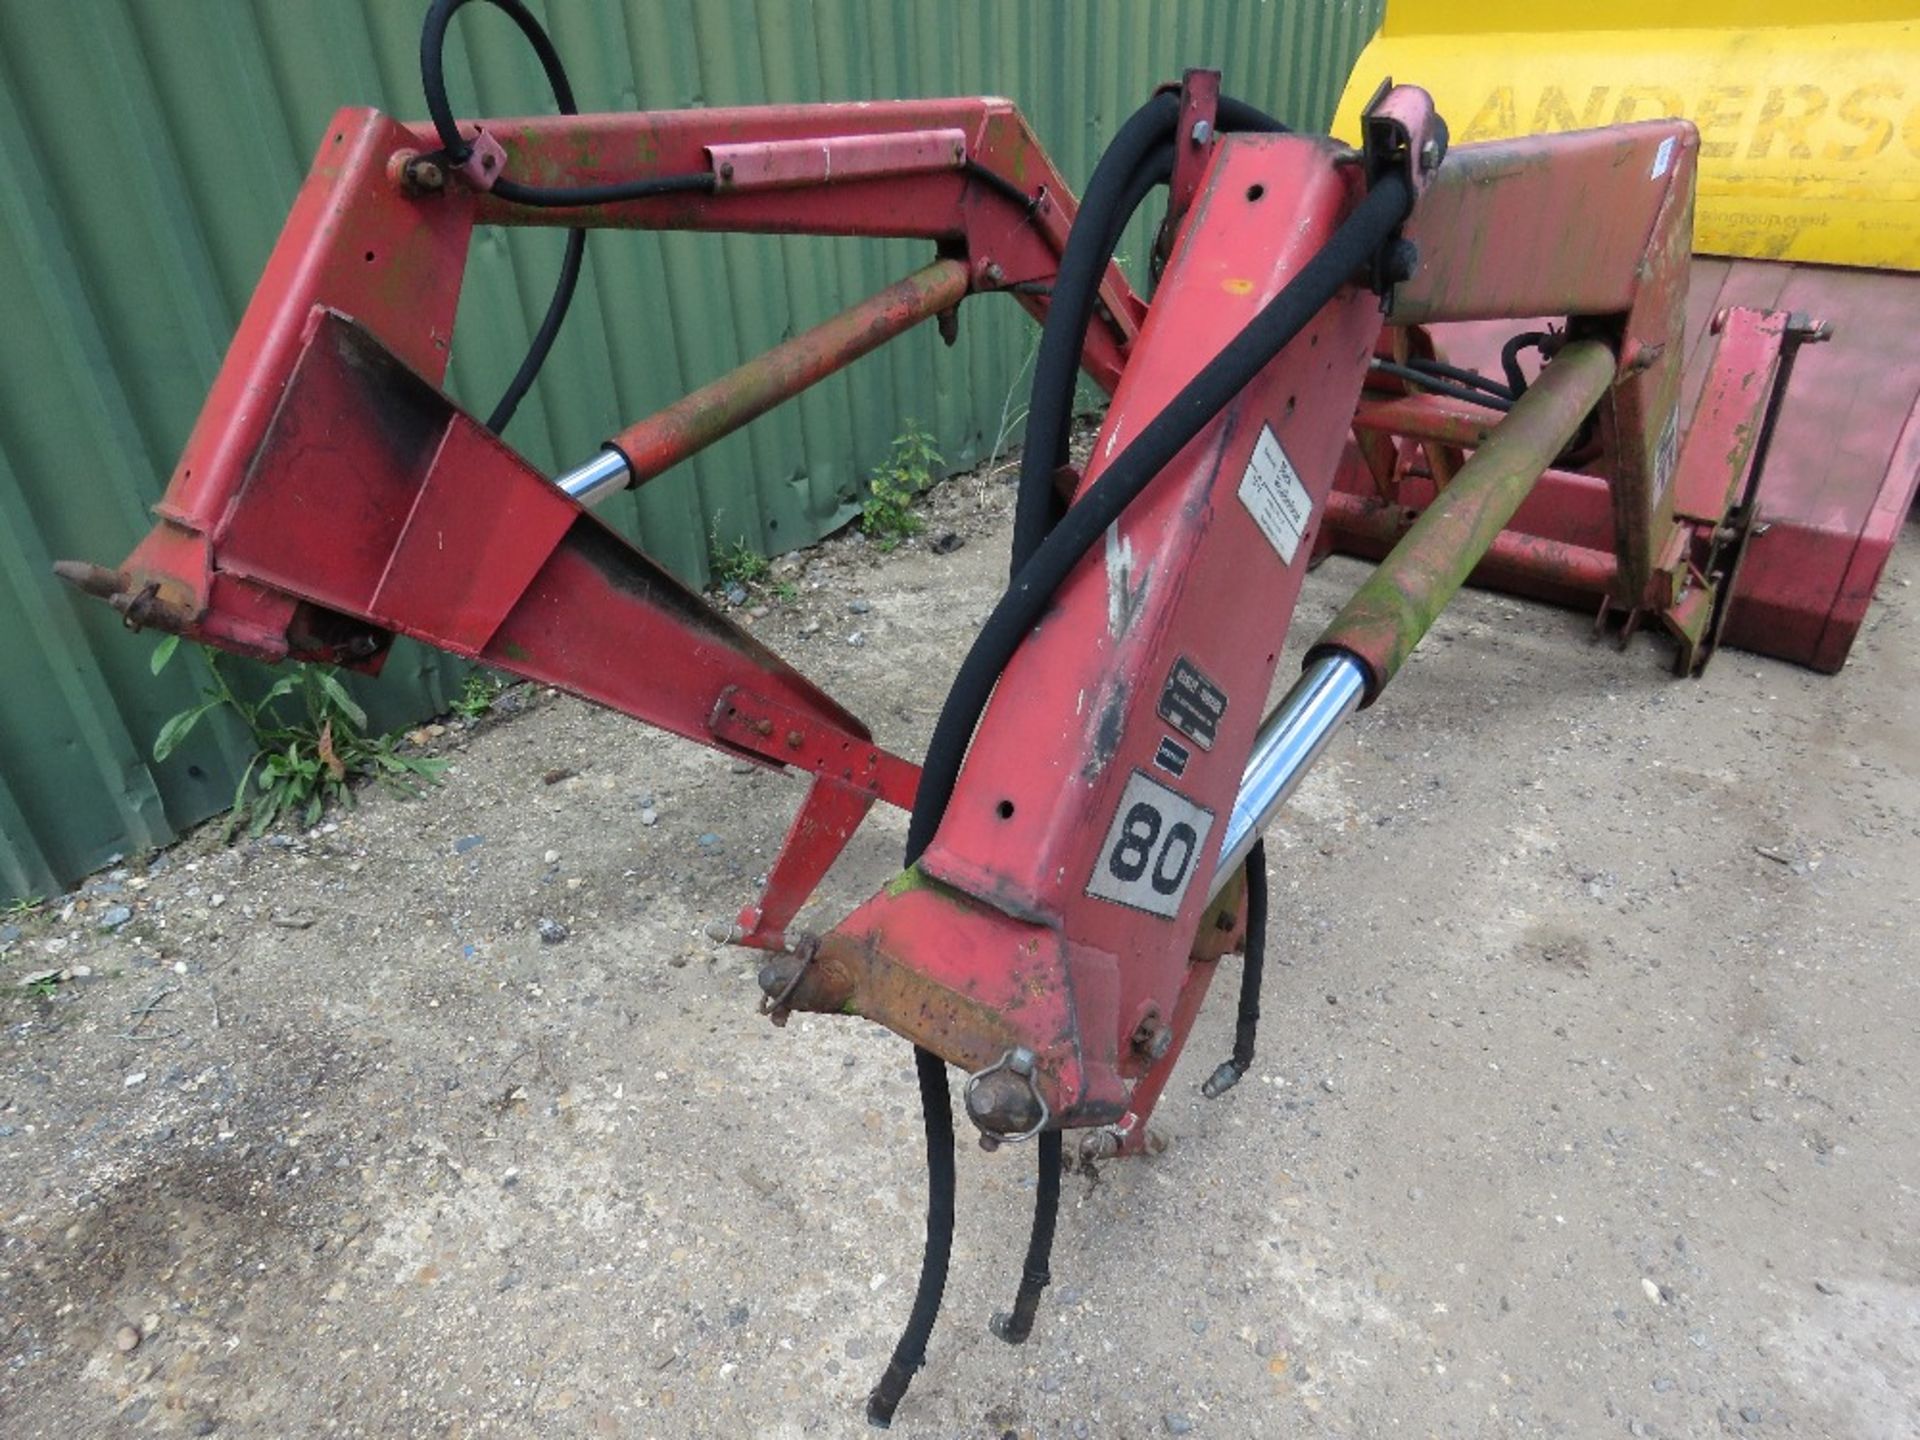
x,y
1124,598
1107,733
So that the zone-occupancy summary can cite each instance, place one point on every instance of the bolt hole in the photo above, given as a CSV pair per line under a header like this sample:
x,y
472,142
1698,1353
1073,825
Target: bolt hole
x,y
1004,809
369,257
1254,192
1290,404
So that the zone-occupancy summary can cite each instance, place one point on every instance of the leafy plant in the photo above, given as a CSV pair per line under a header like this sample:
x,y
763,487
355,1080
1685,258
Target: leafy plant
x,y
21,907
310,743
477,694
888,516
737,563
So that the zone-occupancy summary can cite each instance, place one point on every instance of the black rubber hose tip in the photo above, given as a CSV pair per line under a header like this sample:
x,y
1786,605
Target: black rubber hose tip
x,y
887,1395
1222,1080
1016,1325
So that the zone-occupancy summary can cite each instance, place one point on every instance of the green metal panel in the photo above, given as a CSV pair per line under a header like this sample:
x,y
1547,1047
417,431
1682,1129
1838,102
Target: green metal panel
x,y
149,150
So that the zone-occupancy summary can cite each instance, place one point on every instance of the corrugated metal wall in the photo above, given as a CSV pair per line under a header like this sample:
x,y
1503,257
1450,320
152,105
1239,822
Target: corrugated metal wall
x,y
149,150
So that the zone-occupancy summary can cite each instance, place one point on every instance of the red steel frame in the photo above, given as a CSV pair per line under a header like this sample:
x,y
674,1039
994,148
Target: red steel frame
x,y
331,497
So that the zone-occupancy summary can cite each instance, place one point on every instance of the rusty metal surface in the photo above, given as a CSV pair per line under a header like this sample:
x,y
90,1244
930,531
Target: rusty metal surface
x,y
656,444
1839,481
994,983
1070,737
1495,240
833,159
1844,466
122,298
785,734
1545,568
1007,242
1397,604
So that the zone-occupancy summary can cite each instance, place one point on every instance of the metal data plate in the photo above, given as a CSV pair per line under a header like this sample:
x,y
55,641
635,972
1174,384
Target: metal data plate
x,y
1154,847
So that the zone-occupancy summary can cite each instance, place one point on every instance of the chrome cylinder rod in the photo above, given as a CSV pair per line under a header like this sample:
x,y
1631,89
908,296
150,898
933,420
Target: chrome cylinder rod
x,y
1290,740
599,477
686,427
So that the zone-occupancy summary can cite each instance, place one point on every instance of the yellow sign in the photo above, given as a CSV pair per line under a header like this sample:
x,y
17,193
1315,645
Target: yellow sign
x,y
1809,133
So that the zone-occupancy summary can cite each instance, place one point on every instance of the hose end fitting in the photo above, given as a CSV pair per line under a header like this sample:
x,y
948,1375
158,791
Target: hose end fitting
x,y
1222,1080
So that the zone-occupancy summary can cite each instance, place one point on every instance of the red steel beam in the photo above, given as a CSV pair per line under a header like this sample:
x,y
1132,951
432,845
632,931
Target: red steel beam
x,y
1530,564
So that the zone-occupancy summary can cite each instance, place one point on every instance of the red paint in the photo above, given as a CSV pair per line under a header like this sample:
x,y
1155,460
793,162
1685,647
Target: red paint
x,y
1837,484
330,497
833,159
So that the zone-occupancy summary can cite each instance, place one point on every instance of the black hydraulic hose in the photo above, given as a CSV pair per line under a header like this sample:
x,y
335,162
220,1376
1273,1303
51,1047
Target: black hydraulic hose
x,y
433,77
1235,114
1000,185
433,80
1510,357
936,1108
542,344
1017,1324
1139,157
567,197
1246,1024
1146,148
1155,170
1441,387
1076,285
1351,247
1472,379
433,44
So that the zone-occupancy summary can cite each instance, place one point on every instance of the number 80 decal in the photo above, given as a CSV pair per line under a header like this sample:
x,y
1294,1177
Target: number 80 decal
x,y
1153,847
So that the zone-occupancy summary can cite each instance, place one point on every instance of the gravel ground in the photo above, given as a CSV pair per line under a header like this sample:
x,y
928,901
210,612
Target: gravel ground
x,y
1586,1101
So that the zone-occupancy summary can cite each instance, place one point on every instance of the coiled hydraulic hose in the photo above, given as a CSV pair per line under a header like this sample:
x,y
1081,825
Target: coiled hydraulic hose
x,y
456,149
1139,156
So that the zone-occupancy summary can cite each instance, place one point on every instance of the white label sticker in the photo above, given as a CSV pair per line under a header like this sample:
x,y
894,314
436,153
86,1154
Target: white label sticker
x,y
1156,843
1272,492
1663,157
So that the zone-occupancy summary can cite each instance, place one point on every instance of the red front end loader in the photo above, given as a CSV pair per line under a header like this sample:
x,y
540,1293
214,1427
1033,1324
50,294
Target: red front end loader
x,y
1084,843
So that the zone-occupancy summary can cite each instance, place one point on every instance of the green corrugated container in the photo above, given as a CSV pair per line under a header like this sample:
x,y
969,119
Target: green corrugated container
x,y
149,150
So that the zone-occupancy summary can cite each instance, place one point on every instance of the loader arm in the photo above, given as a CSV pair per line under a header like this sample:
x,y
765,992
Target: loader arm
x,y
1084,825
